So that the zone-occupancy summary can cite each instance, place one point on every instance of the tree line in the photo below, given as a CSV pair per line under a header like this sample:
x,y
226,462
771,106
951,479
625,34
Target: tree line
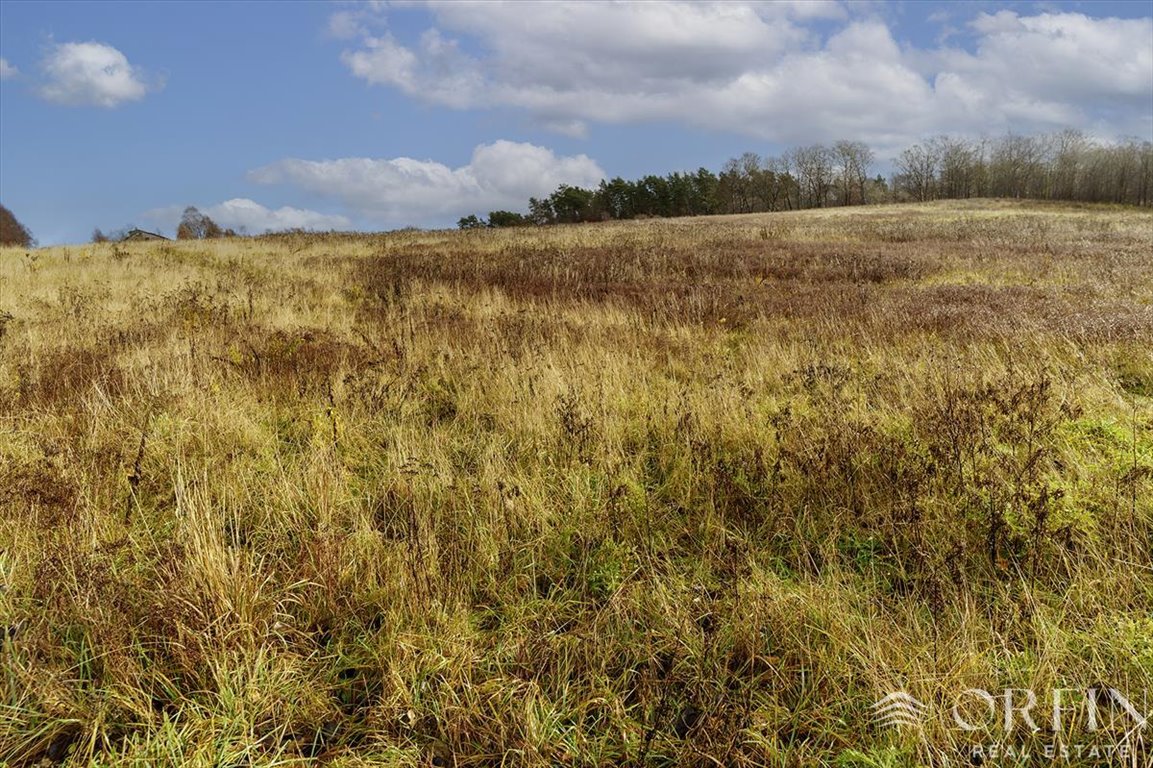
x,y
1067,165
1061,166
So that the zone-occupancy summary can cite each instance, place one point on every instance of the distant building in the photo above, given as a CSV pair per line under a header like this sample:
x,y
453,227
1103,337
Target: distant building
x,y
139,235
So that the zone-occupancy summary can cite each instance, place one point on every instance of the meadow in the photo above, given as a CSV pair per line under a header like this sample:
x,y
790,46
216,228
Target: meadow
x,y
691,492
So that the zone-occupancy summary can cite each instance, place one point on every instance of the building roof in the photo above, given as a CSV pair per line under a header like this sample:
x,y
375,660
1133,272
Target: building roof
x,y
140,234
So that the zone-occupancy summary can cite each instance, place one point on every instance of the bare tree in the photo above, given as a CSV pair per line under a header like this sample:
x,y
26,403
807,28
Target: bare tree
x,y
1016,166
1145,174
854,158
786,172
959,163
814,166
1070,148
917,171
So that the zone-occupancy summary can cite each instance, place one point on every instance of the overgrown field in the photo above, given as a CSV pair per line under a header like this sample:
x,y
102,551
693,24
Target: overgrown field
x,y
656,493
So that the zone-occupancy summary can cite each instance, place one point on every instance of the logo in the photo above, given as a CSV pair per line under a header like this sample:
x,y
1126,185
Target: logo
x,y
1068,725
899,709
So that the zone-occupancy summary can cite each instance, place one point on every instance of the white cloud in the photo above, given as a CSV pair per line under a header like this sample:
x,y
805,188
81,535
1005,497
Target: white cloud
x,y
545,54
501,175
440,72
243,213
1065,60
815,9
765,70
91,74
345,25
249,216
7,70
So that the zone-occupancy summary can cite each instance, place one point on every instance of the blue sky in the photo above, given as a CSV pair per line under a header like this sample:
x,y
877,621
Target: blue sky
x,y
378,115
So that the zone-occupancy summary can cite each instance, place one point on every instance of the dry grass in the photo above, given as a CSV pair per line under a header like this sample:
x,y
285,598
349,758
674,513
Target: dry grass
x,y
690,492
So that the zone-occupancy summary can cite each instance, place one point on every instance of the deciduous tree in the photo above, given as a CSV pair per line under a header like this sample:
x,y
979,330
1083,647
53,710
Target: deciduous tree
x,y
195,225
12,232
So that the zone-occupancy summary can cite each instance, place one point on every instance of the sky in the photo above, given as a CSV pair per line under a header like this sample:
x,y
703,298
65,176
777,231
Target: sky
x,y
381,115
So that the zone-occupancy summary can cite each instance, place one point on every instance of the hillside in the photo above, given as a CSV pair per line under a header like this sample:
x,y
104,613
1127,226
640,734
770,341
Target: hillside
x,y
651,493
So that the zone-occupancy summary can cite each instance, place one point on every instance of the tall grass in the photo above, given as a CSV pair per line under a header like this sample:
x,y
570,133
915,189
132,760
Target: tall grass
x,y
692,492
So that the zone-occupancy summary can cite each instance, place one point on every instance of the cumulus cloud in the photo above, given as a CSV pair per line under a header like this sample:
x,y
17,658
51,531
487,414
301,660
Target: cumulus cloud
x,y
242,214
7,70
1053,66
545,57
402,190
91,74
772,70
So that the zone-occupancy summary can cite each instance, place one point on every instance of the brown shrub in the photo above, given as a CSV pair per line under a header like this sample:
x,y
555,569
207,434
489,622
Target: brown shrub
x,y
39,490
64,375
303,361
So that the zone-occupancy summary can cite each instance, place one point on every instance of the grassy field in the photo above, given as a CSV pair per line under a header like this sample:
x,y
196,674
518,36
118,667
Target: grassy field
x,y
655,493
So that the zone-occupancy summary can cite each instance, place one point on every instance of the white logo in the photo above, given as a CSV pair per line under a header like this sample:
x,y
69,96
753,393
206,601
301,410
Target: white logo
x,y
899,709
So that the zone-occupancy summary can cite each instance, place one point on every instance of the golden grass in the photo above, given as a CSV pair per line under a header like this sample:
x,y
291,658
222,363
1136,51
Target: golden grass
x,y
687,492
